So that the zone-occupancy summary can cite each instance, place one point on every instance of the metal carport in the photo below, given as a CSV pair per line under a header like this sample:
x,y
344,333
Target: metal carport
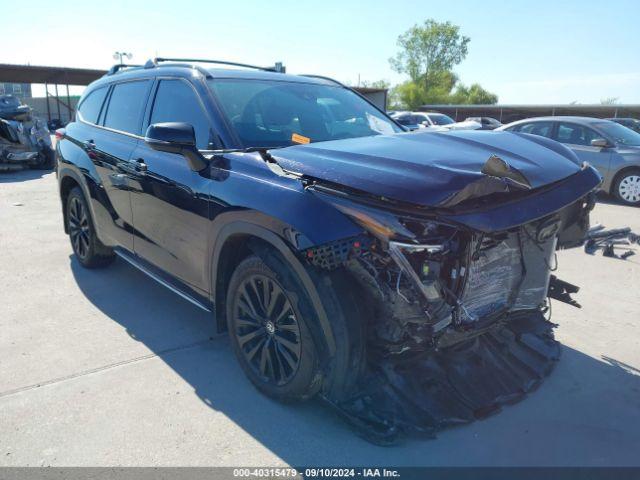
x,y
50,76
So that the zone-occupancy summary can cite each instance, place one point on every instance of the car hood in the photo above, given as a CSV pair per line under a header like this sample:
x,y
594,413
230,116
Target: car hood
x,y
430,168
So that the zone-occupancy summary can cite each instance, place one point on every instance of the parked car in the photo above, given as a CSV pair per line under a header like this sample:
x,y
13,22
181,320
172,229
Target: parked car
x,y
411,120
346,257
25,141
433,120
486,123
632,123
611,148
54,124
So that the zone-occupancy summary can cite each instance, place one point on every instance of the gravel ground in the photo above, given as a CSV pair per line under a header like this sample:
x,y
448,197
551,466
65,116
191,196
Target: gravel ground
x,y
109,368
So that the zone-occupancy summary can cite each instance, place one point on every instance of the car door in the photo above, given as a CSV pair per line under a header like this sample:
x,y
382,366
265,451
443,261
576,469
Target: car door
x,y
578,138
110,149
168,199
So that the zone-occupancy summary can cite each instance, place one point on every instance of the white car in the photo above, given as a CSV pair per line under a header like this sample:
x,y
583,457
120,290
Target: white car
x,y
433,121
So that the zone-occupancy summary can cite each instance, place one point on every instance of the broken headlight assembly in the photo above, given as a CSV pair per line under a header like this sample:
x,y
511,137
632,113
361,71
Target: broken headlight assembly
x,y
425,275
410,268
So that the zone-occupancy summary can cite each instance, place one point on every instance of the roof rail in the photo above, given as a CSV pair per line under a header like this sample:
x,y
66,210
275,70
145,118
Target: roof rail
x,y
120,66
278,67
321,77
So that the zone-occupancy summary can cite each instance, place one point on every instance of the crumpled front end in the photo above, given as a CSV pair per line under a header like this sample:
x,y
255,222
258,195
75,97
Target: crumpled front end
x,y
455,317
24,141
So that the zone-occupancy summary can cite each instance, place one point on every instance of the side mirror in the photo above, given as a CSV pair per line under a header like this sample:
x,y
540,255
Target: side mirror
x,y
599,142
176,137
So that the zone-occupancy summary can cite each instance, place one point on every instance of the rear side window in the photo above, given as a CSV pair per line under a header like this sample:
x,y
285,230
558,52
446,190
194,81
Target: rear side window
x,y
176,101
90,107
542,129
125,106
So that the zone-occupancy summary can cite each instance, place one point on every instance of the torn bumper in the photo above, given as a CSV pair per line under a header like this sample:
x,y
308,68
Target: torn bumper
x,y
454,316
432,390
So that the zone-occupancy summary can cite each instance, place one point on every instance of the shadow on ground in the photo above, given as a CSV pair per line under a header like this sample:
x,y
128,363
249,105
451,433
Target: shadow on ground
x,y
607,199
22,175
586,413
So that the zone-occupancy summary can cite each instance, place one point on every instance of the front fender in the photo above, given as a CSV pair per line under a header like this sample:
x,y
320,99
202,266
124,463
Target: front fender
x,y
245,223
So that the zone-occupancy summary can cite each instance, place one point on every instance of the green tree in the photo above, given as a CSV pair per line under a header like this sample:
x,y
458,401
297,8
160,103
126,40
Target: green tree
x,y
473,95
428,48
428,53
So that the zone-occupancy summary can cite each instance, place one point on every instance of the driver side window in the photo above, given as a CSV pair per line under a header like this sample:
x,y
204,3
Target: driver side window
x,y
176,101
575,134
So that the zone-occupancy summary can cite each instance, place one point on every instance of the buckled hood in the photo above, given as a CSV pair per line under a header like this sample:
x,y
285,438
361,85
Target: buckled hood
x,y
432,168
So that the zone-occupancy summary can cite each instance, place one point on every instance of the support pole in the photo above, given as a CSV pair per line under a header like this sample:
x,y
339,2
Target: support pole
x,y
58,100
46,90
69,104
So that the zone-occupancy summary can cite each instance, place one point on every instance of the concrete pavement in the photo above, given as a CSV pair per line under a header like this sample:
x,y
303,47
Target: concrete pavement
x,y
106,367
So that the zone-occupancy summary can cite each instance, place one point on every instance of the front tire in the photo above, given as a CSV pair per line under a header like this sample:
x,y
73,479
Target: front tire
x,y
267,315
89,250
627,187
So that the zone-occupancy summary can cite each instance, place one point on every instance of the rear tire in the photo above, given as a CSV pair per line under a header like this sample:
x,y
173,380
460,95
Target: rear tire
x,y
626,187
88,249
267,315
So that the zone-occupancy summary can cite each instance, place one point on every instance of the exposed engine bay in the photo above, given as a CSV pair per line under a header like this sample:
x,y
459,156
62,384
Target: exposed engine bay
x,y
24,140
456,319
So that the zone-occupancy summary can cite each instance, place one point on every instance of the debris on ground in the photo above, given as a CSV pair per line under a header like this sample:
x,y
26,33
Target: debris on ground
x,y
609,240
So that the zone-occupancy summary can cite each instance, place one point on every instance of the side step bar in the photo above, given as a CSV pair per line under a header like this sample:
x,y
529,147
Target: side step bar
x,y
161,281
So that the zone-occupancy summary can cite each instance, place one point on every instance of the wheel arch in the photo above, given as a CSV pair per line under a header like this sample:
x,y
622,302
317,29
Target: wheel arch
x,y
238,239
68,180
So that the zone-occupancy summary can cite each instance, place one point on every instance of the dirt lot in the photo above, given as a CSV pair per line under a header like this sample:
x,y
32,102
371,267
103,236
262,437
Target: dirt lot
x,y
109,368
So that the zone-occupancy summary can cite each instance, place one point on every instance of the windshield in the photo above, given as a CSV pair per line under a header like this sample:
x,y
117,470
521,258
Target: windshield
x,y
441,119
619,133
276,114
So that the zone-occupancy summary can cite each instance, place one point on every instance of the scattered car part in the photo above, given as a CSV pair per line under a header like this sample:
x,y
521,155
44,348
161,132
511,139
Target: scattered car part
x,y
609,240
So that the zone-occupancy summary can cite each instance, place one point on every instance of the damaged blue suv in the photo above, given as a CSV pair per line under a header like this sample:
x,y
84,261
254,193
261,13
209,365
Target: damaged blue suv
x,y
401,277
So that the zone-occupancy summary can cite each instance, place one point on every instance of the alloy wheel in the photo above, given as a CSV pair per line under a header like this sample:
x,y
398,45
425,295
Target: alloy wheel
x,y
79,227
267,330
629,188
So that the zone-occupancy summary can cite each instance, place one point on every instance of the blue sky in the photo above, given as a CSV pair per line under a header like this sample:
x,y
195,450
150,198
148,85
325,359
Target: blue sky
x,y
525,51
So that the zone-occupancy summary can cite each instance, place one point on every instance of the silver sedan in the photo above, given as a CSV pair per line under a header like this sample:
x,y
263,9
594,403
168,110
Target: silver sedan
x,y
614,150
